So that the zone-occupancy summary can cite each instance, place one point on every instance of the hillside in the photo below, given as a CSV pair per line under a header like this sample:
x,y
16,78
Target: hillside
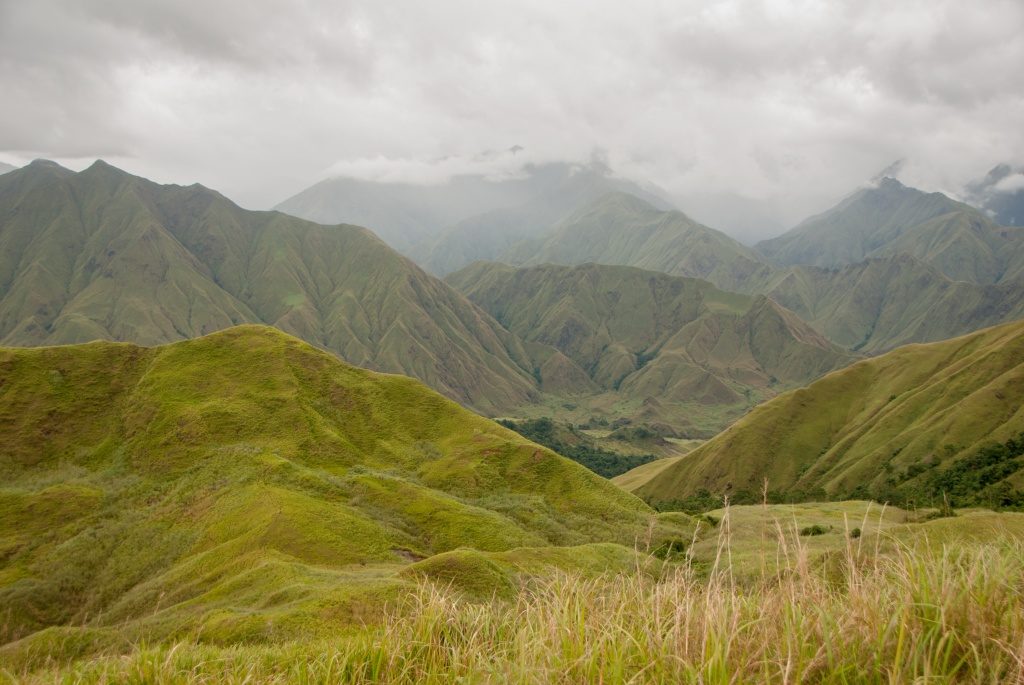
x,y
884,302
4,168
245,486
102,254
623,229
666,343
892,426
890,218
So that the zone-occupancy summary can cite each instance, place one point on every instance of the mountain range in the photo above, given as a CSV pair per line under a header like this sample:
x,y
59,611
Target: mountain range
x,y
674,346
102,254
445,226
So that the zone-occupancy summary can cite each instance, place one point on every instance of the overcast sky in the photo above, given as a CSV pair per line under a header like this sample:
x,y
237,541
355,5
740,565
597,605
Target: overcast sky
x,y
786,101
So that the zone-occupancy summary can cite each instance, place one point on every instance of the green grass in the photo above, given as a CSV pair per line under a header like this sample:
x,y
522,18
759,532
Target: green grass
x,y
893,605
881,428
245,486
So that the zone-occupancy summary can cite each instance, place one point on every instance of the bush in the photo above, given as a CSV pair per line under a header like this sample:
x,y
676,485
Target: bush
x,y
815,530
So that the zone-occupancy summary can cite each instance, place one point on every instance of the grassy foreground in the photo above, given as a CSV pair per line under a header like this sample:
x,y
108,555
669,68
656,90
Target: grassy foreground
x,y
888,607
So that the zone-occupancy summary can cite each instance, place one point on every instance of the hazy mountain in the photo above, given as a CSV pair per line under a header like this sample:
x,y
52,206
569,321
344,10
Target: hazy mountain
x,y
883,302
903,422
623,229
444,226
489,235
102,254
245,482
1000,195
662,342
890,218
4,168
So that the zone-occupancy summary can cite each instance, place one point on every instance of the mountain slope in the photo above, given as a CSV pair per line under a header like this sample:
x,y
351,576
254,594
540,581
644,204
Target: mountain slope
x,y
254,488
622,229
102,254
4,168
650,337
893,422
884,302
891,218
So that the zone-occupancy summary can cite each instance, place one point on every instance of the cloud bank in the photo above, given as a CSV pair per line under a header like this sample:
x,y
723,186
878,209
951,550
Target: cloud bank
x,y
791,102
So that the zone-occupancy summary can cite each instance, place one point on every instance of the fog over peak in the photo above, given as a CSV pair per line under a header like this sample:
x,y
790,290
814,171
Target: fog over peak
x,y
786,104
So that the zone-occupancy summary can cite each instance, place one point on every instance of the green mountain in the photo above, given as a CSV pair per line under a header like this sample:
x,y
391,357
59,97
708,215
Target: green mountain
x,y
666,343
623,229
891,218
916,422
245,486
102,254
884,302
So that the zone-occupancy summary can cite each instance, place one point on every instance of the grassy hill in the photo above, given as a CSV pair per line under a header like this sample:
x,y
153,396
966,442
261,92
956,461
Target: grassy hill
x,y
665,343
246,487
890,218
620,228
913,423
102,254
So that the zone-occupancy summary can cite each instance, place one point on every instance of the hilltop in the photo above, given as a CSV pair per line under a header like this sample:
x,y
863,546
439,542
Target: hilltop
x,y
900,425
102,254
245,486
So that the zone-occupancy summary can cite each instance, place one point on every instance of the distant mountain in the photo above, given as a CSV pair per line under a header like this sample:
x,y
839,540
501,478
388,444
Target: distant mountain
x,y
102,254
445,226
489,235
884,302
247,484
915,422
666,343
4,168
1000,195
623,229
890,218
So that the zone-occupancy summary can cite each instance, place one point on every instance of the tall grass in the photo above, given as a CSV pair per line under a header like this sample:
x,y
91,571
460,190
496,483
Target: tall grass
x,y
893,614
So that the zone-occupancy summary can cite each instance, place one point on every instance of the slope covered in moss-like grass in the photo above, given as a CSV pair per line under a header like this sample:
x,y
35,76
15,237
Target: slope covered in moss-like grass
x,y
247,486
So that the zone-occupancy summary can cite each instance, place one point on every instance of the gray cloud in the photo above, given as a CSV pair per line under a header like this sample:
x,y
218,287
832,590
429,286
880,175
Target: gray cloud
x,y
788,103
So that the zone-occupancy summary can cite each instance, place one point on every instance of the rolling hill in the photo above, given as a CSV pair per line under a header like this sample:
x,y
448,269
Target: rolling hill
x,y
102,254
667,343
917,422
890,218
619,228
247,487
